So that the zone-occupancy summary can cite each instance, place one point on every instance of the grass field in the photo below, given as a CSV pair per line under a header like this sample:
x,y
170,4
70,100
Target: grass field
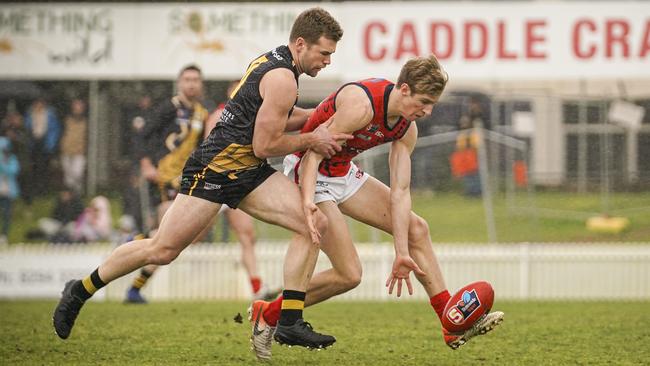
x,y
392,333
456,218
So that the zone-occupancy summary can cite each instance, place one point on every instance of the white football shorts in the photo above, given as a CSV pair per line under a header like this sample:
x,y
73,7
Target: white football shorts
x,y
337,189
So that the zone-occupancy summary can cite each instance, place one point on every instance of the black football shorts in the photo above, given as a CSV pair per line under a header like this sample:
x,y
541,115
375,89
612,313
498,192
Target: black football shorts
x,y
200,181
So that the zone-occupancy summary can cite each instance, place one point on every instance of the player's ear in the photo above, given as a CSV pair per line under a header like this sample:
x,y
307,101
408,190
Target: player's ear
x,y
405,90
300,44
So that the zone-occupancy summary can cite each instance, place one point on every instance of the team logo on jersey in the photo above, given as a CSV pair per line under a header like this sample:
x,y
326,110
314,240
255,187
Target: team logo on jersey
x,y
379,134
276,55
211,186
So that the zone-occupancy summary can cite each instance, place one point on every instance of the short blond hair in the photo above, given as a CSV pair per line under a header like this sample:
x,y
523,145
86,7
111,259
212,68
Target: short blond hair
x,y
424,75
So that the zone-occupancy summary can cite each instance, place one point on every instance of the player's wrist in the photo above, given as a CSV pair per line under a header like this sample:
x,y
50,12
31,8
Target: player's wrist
x,y
311,140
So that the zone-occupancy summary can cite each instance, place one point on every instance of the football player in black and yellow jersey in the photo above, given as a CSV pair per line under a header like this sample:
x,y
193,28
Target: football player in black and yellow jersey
x,y
173,130
230,167
162,165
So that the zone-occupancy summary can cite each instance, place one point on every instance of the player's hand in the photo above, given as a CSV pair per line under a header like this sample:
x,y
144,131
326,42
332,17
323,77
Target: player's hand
x,y
327,144
402,267
310,210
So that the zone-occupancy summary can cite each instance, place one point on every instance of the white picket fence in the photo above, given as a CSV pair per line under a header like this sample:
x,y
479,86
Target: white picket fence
x,y
549,271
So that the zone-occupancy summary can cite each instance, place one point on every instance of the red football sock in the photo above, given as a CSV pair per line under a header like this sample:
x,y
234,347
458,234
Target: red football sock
x,y
256,284
272,313
439,301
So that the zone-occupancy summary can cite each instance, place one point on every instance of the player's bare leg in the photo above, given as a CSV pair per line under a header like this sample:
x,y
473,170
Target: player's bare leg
x,y
277,201
184,220
371,205
337,244
133,295
180,225
242,224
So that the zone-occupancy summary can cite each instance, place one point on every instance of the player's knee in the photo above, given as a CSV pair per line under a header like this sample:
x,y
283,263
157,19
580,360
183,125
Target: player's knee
x,y
163,254
352,278
247,237
418,229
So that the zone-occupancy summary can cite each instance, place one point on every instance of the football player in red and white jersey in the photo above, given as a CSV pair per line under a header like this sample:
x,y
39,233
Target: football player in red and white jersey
x,y
374,111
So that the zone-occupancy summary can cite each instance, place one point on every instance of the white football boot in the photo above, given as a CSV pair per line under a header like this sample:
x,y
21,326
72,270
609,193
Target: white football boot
x,y
485,324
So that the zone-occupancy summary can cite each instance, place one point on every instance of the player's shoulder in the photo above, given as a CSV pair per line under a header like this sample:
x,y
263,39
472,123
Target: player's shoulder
x,y
356,96
279,80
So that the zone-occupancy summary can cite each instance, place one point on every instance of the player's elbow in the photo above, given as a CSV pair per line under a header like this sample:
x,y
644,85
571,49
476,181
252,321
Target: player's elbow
x,y
261,150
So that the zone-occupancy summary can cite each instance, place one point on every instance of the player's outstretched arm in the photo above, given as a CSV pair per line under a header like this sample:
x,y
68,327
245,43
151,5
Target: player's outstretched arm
x,y
308,172
353,112
400,207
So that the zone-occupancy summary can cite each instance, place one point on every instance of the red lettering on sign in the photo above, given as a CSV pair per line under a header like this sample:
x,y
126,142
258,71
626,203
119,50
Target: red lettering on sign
x,y
616,32
441,27
533,38
577,39
645,41
481,41
407,42
501,43
371,28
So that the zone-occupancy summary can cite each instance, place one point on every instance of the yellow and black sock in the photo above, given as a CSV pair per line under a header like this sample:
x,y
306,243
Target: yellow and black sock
x,y
85,288
292,304
141,279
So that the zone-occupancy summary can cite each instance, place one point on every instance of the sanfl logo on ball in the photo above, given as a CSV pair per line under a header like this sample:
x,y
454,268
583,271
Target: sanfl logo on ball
x,y
466,297
469,303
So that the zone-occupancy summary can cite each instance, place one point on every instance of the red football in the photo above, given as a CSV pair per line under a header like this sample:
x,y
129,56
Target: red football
x,y
467,305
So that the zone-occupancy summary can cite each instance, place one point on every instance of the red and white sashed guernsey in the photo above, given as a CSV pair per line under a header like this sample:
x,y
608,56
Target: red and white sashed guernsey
x,y
375,133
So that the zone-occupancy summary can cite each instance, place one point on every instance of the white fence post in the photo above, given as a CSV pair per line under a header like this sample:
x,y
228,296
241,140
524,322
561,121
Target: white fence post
x,y
524,271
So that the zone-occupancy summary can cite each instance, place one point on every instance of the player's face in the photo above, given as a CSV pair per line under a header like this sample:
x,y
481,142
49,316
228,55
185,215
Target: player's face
x,y
316,56
416,106
190,84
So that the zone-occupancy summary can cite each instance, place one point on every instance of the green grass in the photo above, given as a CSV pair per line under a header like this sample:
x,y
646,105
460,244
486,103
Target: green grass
x,y
455,218
391,333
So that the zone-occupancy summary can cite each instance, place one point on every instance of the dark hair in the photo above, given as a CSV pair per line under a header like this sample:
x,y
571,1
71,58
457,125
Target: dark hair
x,y
190,67
313,23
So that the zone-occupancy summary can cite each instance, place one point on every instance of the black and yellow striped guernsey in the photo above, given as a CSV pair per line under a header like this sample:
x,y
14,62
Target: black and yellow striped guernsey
x,y
229,147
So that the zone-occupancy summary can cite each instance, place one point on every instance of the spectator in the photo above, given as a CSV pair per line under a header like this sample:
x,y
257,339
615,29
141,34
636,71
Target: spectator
x,y
13,128
73,146
44,130
94,224
9,168
68,208
464,160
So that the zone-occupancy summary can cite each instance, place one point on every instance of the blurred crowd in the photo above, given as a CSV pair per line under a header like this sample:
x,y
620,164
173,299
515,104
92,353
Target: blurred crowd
x,y
43,153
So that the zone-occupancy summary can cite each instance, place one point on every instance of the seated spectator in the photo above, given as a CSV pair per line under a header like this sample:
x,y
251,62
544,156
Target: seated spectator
x,y
67,209
94,224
